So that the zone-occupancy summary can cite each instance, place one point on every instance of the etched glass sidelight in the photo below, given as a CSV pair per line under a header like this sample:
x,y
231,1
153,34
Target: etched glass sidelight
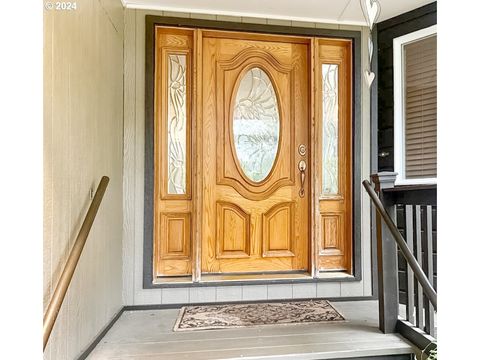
x,y
256,124
177,124
330,129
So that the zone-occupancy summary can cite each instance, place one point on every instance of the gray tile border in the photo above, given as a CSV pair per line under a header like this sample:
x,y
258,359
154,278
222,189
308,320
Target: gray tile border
x,y
351,27
202,294
254,292
175,296
229,18
279,22
281,291
229,293
304,291
306,24
177,14
326,26
328,290
254,20
352,289
203,16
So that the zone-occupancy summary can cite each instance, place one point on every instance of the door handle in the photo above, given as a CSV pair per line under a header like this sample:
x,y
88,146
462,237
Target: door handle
x,y
302,166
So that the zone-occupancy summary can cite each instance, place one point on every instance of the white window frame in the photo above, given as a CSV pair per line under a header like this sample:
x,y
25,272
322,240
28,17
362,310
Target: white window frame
x,y
399,105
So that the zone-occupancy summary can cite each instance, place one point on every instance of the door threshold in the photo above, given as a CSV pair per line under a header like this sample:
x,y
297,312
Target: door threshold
x,y
253,277
334,275
250,279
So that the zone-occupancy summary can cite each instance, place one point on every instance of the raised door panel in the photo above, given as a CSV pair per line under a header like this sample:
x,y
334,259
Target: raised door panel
x,y
278,230
174,250
175,230
233,232
332,244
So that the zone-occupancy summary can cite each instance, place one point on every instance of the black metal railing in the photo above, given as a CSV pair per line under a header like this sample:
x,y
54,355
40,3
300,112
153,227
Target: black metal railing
x,y
408,257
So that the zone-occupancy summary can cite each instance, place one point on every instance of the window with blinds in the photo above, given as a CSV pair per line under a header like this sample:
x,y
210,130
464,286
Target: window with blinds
x,y
420,108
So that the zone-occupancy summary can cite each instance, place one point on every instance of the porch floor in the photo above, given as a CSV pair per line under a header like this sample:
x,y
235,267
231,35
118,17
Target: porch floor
x,y
148,334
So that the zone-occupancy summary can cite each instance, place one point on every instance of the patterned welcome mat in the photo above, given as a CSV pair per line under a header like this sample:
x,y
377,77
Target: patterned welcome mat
x,y
241,315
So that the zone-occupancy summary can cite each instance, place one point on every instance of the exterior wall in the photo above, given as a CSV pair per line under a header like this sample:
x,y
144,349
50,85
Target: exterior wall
x,y
83,139
386,31
134,294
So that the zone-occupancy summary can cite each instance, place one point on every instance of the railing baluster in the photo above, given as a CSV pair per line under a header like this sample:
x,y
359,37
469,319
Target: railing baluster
x,y
418,238
430,314
410,277
415,254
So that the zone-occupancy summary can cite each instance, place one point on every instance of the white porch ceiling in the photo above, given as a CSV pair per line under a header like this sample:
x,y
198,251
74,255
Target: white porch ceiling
x,y
327,11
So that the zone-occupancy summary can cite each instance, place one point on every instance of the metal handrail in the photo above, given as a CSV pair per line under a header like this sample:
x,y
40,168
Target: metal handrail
x,y
407,254
53,308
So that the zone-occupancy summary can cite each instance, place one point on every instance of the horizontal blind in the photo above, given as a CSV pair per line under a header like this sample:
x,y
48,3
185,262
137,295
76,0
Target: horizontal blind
x,y
420,81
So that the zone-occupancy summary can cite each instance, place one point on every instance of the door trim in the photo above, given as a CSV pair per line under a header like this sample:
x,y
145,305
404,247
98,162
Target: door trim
x,y
150,23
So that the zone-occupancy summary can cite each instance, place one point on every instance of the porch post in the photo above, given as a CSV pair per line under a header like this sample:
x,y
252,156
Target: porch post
x,y
386,257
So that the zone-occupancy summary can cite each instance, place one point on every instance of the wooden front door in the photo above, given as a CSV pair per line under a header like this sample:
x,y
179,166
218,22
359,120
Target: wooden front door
x,y
252,154
255,149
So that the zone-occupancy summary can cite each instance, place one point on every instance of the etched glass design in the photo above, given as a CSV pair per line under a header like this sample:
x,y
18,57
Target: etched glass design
x,y
177,124
256,124
330,129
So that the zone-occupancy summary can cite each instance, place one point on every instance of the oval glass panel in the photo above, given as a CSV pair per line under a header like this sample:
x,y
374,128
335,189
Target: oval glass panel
x,y
256,124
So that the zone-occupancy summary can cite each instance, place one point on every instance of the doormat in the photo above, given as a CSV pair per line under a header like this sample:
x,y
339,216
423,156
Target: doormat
x,y
207,317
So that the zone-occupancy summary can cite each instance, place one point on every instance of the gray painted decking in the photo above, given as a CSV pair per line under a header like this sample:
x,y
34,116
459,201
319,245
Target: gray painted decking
x,y
148,335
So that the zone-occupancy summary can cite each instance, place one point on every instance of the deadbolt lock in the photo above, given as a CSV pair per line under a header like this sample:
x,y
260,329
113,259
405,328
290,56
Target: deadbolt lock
x,y
302,149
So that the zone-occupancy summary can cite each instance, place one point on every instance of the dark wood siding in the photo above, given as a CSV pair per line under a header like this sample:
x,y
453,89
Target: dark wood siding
x,y
386,31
